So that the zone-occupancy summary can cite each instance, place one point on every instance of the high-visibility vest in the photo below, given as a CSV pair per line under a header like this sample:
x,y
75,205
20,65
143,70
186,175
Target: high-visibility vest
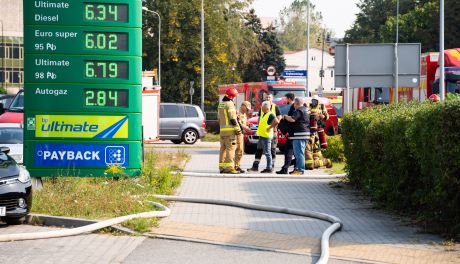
x,y
226,112
263,126
272,110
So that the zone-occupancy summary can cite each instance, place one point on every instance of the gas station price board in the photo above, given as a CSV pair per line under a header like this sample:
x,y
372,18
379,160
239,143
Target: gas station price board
x,y
82,86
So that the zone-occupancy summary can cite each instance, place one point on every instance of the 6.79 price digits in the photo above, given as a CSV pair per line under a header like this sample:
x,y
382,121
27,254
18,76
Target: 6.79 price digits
x,y
106,69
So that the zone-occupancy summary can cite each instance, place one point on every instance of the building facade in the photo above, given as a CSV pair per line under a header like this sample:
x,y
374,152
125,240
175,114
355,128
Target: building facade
x,y
297,61
11,46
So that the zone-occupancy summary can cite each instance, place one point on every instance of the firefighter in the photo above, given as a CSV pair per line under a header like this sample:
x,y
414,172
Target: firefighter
x,y
313,155
229,130
244,126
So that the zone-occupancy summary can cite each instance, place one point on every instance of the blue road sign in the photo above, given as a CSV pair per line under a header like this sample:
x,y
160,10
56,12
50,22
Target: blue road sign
x,y
81,155
295,73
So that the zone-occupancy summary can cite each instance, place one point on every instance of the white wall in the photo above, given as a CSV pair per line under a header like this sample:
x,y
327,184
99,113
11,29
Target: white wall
x,y
297,61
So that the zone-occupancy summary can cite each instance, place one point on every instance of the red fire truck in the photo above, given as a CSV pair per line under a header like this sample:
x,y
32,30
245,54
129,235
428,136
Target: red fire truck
x,y
254,92
429,84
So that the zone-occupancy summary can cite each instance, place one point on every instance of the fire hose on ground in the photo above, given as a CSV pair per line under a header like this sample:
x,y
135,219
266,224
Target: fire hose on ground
x,y
165,211
336,223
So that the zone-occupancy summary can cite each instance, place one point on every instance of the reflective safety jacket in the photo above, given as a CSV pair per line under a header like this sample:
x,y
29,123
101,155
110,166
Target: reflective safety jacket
x,y
321,110
263,126
227,119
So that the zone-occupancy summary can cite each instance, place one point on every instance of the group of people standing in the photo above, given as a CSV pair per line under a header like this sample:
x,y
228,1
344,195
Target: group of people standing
x,y
299,124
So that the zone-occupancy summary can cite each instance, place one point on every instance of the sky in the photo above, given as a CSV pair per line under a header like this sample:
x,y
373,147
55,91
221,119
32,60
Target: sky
x,y
338,15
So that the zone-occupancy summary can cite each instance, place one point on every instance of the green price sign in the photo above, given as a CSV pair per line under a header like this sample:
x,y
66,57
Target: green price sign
x,y
84,40
82,87
86,69
117,13
96,98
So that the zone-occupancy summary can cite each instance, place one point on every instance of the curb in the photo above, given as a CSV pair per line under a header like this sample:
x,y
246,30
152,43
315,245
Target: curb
x,y
263,176
69,222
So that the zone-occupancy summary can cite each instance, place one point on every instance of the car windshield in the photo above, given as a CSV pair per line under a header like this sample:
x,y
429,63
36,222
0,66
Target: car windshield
x,y
11,135
282,93
338,109
18,103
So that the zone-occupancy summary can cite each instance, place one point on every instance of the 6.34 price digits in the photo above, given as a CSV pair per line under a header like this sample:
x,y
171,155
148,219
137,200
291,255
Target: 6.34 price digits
x,y
106,12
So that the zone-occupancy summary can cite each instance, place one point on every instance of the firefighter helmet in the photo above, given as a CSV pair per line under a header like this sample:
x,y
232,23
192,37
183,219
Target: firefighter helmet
x,y
231,93
434,98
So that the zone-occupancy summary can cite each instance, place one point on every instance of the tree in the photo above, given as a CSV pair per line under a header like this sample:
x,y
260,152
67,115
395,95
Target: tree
x,y
234,39
292,26
418,22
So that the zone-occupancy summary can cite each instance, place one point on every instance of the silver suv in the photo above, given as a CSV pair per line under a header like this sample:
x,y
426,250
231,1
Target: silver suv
x,y
181,123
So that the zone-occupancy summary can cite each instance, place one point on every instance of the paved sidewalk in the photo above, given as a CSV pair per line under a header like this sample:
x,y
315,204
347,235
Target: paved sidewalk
x,y
368,234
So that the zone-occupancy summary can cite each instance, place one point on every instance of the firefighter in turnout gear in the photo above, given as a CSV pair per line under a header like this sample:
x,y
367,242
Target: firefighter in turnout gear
x,y
313,156
229,130
242,117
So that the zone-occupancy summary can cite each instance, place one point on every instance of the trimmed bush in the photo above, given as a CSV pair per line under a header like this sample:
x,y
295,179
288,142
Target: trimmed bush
x,y
406,156
335,149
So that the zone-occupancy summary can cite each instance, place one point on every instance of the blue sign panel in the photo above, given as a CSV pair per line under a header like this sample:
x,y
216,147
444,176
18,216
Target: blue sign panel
x,y
81,155
295,73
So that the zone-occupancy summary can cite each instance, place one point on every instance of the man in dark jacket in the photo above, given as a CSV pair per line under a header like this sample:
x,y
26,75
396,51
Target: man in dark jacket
x,y
300,133
288,150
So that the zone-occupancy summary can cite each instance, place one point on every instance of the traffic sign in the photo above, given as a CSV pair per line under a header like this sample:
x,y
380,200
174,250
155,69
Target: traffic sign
x,y
295,73
82,86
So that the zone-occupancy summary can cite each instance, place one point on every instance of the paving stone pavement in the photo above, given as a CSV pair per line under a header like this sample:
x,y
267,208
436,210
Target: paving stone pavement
x,y
88,248
368,233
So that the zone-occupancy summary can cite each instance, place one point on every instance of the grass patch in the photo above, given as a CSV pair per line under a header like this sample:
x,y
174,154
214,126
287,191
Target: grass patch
x,y
107,197
211,137
338,168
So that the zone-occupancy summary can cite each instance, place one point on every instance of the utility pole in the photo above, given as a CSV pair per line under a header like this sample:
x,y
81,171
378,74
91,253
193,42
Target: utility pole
x,y
396,88
202,56
159,42
442,83
3,57
307,87
322,63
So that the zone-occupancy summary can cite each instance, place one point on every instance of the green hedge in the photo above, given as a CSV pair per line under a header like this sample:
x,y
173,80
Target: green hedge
x,y
335,149
407,156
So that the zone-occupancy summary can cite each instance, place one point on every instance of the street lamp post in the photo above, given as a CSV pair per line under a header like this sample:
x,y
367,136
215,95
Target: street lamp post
x,y
159,42
307,87
396,92
442,84
202,56
3,57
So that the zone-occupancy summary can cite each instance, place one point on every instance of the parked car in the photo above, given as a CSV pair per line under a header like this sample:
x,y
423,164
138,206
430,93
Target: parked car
x,y
5,100
15,189
12,136
251,139
15,111
181,123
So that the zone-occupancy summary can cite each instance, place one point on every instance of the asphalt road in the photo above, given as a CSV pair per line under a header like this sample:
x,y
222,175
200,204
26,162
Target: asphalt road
x,y
161,251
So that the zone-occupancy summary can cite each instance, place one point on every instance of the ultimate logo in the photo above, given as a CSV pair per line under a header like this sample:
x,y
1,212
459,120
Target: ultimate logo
x,y
101,127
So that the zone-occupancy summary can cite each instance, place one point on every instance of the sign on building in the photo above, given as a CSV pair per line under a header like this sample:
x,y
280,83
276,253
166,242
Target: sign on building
x,y
83,94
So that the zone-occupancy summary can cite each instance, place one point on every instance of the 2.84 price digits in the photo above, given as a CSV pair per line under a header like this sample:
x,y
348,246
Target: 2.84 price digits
x,y
106,69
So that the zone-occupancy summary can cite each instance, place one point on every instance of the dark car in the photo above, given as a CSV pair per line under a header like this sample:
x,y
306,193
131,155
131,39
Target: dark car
x,y
15,189
181,123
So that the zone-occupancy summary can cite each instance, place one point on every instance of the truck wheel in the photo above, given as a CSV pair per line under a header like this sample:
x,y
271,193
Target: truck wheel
x,y
190,136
